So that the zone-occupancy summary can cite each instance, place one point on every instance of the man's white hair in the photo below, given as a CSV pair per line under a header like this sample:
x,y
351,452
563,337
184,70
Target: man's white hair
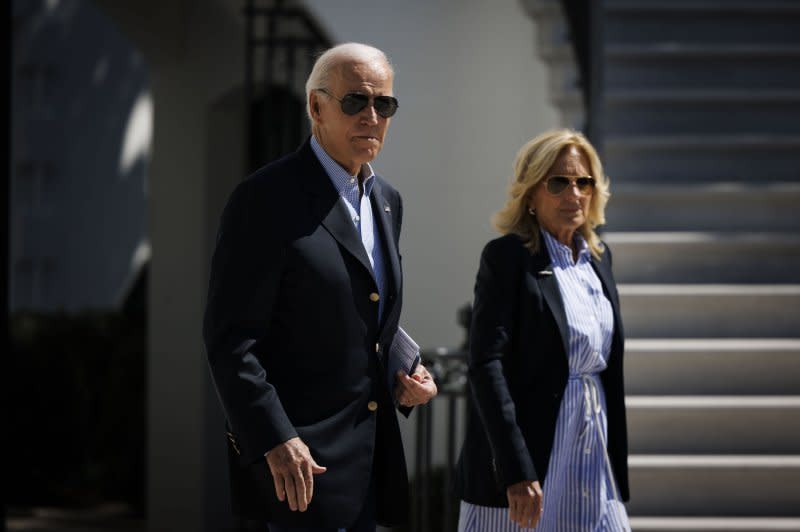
x,y
333,57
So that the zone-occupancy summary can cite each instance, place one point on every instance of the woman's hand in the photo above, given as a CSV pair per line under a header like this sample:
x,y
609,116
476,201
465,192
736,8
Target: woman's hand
x,y
525,503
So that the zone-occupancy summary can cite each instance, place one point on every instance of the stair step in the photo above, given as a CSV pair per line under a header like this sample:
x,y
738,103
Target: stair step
x,y
682,50
691,206
703,257
714,424
710,310
714,112
705,142
712,366
700,7
703,158
707,96
649,22
674,65
715,524
722,485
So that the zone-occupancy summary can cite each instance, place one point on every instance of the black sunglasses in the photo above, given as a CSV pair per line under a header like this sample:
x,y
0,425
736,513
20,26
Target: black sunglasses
x,y
557,184
353,103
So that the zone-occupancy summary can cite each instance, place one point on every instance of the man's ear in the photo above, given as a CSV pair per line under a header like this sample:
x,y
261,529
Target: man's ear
x,y
313,104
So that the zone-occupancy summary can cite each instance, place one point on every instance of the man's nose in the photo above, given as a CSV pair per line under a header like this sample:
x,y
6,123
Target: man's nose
x,y
369,115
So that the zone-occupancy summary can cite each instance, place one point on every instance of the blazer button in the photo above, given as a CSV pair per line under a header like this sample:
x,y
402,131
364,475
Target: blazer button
x,y
374,297
372,406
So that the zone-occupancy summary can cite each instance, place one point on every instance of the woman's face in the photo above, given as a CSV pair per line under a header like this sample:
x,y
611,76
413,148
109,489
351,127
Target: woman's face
x,y
562,214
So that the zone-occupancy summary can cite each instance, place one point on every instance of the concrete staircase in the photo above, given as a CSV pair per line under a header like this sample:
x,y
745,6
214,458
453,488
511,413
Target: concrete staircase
x,y
701,114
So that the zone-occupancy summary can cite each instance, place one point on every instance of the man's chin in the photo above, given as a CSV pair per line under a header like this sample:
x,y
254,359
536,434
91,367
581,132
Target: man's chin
x,y
366,155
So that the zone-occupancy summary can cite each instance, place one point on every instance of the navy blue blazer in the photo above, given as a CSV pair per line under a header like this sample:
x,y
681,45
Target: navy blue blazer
x,y
518,371
295,344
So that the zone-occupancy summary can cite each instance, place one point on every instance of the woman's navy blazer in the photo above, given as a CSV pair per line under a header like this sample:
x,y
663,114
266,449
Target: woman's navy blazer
x,y
518,371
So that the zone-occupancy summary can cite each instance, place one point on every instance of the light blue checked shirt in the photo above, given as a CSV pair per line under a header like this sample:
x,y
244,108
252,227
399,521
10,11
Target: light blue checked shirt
x,y
360,208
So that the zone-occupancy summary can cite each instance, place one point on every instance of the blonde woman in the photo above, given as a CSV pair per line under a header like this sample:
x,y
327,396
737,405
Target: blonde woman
x,y
546,443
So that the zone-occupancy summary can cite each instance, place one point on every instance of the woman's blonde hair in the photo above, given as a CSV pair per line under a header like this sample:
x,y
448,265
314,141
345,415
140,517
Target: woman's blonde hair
x,y
531,166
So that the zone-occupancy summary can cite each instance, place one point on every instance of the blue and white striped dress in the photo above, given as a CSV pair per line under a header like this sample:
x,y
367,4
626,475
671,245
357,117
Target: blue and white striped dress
x,y
579,492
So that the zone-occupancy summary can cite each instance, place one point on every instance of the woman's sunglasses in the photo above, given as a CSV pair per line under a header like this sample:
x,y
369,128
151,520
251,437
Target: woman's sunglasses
x,y
353,103
557,184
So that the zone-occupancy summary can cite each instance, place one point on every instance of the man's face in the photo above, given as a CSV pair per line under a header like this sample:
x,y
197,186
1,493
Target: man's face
x,y
352,140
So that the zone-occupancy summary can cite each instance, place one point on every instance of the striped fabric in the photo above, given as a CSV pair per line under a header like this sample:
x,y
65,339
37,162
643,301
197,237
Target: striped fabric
x,y
579,492
474,518
360,208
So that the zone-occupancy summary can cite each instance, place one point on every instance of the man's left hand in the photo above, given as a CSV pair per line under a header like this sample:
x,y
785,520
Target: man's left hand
x,y
416,389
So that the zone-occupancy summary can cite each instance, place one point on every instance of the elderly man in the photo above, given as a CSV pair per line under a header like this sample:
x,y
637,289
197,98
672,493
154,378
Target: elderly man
x,y
303,305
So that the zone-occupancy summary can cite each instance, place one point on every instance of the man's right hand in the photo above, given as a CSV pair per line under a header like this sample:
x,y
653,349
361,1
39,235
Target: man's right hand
x,y
293,471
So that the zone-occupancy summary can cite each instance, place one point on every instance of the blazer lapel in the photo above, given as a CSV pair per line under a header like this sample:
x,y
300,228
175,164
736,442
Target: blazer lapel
x,y
542,270
603,271
382,213
328,206
338,223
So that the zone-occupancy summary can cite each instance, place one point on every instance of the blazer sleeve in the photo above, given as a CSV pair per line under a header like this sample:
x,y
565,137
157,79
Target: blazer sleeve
x,y
496,289
245,275
405,410
398,209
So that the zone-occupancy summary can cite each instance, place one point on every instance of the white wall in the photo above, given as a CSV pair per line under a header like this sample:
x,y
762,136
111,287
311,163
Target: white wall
x,y
472,90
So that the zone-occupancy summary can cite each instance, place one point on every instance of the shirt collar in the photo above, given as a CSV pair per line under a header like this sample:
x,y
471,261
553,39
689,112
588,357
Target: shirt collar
x,y
560,254
342,181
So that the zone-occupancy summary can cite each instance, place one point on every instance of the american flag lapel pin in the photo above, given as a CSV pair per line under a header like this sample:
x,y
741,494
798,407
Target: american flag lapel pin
x,y
387,209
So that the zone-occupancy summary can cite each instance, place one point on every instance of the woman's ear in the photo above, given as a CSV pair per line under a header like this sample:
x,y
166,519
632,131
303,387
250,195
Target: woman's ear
x,y
530,198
